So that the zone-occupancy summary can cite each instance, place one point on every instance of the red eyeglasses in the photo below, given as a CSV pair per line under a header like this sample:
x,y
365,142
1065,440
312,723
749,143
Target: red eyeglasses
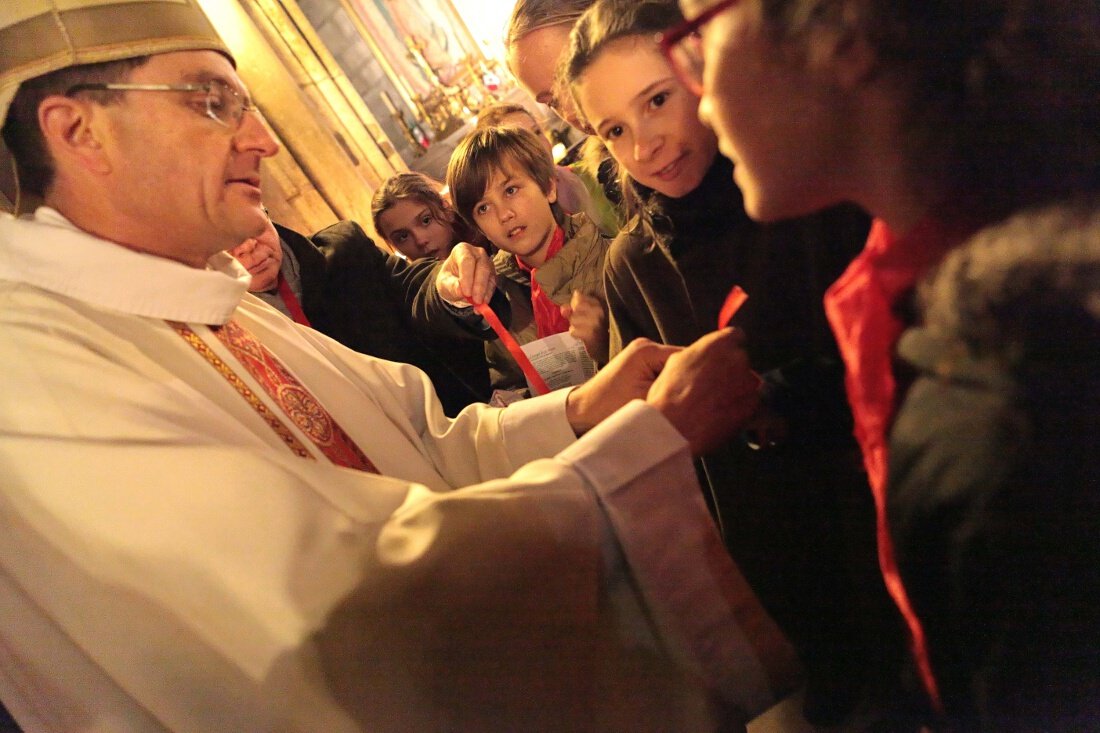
x,y
683,46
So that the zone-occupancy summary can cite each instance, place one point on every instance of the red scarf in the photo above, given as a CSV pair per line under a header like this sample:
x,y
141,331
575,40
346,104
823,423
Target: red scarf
x,y
859,308
548,317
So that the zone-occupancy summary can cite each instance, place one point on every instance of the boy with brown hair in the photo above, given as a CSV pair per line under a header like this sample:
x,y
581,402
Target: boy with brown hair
x,y
502,182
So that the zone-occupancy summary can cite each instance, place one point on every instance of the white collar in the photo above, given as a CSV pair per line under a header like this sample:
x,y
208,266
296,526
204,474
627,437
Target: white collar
x,y
48,251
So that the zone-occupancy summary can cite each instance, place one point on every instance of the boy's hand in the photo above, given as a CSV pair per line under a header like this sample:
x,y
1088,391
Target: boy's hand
x,y
627,377
588,322
707,391
467,276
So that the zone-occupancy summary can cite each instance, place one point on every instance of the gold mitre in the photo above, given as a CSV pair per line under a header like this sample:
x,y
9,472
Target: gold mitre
x,y
40,36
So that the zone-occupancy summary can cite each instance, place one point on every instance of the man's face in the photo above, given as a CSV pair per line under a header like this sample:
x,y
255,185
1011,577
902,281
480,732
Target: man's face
x,y
181,184
262,256
783,122
533,60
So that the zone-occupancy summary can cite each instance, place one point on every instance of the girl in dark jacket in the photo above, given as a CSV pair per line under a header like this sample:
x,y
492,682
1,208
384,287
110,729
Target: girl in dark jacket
x,y
791,500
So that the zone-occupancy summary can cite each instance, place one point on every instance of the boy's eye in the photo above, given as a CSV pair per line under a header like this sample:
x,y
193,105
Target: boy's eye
x,y
481,209
509,190
614,133
659,99
398,237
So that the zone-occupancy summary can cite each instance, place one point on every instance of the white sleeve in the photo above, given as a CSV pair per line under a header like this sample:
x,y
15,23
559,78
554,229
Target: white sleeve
x,y
165,585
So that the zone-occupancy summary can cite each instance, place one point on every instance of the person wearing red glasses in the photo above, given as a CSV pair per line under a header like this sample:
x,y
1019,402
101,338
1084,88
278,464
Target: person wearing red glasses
x,y
971,130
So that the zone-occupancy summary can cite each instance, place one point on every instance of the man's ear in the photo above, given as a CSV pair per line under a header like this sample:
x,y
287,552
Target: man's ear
x,y
68,126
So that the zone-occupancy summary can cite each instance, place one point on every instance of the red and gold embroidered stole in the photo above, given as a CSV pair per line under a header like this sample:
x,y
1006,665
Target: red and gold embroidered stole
x,y
295,401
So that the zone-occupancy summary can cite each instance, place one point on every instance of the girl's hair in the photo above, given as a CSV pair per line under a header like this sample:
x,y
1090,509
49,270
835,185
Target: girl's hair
x,y
602,24
492,149
412,186
533,15
1003,101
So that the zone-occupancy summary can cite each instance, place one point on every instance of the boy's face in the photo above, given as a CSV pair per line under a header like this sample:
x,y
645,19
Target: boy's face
x,y
515,214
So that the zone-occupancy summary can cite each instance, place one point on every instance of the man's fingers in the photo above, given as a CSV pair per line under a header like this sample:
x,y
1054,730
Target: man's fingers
x,y
652,354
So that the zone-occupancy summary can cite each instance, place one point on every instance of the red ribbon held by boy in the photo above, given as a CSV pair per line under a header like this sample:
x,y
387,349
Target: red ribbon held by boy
x,y
538,386
736,298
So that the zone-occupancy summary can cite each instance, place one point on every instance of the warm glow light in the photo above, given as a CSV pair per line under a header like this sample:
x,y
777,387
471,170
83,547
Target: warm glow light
x,y
559,151
486,20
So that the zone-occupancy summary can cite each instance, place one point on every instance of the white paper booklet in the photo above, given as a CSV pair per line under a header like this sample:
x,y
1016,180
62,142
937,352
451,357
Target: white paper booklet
x,y
561,360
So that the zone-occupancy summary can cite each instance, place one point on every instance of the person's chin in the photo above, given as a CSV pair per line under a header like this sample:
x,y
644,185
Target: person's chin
x,y
263,285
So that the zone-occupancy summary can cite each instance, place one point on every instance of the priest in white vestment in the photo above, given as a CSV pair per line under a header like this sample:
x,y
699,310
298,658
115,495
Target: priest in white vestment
x,y
215,519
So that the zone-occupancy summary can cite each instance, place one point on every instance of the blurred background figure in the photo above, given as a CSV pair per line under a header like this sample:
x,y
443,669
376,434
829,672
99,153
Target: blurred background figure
x,y
342,284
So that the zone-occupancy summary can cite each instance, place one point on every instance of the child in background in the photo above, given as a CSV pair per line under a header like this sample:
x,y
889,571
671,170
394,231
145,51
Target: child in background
x,y
412,215
578,190
502,181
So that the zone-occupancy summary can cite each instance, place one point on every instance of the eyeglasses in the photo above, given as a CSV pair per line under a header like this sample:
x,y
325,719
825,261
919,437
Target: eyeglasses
x,y
683,46
223,103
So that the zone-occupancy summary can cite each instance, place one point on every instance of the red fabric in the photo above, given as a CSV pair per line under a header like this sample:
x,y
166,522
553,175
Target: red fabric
x,y
548,317
297,402
859,308
292,303
538,385
734,300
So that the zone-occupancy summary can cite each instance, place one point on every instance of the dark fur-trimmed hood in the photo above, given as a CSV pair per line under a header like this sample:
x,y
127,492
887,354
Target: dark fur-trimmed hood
x,y
1026,288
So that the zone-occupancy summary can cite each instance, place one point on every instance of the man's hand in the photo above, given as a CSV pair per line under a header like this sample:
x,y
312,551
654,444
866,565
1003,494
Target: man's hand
x,y
627,377
707,391
588,322
467,276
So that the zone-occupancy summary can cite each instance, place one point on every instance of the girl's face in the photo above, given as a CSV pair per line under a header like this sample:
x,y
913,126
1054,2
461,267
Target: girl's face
x,y
414,231
646,117
780,118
